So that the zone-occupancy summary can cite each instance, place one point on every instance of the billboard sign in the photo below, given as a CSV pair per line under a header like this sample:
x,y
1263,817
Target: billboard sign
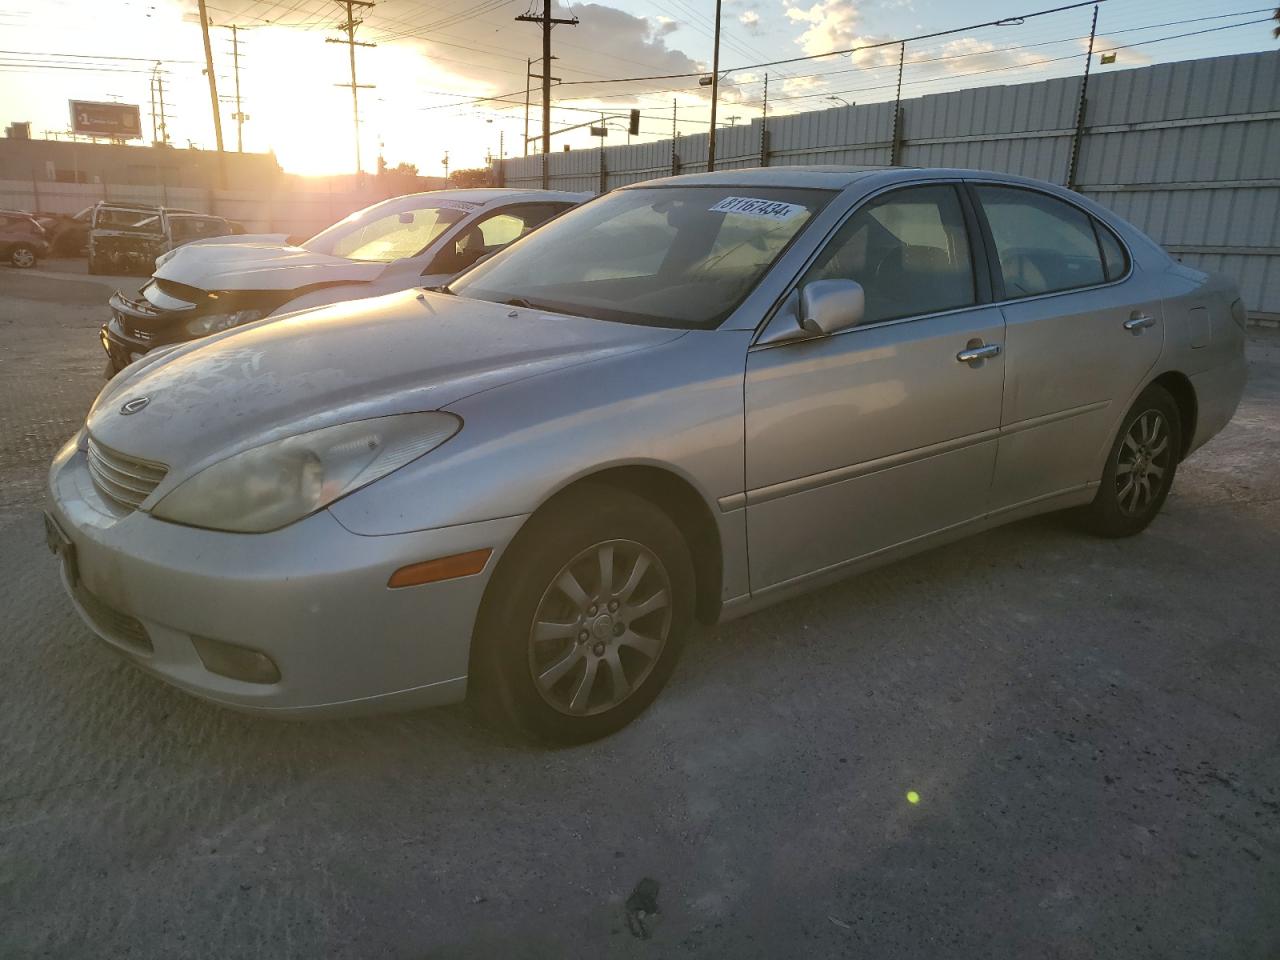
x,y
121,121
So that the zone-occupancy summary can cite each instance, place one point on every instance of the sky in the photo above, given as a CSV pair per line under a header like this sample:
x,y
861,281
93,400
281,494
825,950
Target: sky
x,y
434,59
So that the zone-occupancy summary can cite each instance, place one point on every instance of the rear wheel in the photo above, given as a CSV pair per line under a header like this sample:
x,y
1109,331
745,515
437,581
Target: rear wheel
x,y
1140,467
585,618
22,256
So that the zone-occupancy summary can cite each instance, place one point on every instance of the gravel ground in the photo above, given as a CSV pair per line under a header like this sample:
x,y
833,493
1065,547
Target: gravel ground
x,y
1092,729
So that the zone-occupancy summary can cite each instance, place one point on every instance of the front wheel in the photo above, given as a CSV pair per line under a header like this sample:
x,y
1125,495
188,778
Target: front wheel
x,y
585,618
1140,467
22,256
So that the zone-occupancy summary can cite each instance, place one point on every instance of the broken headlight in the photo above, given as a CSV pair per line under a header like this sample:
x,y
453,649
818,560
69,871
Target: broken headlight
x,y
214,322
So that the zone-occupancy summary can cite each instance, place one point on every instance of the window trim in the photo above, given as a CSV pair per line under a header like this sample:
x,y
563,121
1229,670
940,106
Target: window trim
x,y
999,294
983,292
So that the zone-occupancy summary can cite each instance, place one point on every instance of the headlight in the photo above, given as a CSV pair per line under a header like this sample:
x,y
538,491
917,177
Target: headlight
x,y
213,322
277,483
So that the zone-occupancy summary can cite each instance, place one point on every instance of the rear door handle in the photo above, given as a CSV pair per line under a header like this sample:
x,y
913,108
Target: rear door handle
x,y
978,353
1139,322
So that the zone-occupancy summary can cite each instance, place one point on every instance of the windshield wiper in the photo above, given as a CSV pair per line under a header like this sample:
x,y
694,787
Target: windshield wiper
x,y
520,302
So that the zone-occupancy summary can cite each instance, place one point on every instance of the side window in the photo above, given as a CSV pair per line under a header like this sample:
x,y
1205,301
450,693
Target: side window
x,y
908,249
1114,261
490,234
1043,245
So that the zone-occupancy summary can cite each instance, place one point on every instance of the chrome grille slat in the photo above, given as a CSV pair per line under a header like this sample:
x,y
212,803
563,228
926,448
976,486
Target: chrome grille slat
x,y
135,479
123,479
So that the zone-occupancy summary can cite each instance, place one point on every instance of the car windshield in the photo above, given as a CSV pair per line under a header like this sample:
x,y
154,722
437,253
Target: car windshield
x,y
133,221
680,257
389,231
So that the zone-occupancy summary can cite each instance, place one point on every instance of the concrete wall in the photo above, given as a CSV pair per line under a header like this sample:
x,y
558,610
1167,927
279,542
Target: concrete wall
x,y
292,205
1188,152
70,161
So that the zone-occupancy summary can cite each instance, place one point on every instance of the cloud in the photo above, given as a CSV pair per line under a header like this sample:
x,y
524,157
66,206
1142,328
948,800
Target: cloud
x,y
751,20
607,42
832,25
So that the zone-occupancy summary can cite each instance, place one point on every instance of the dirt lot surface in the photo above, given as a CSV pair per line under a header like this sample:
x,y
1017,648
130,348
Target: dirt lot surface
x,y
1092,728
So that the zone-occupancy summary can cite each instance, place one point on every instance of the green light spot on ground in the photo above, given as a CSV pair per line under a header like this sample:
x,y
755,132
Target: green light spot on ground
x,y
913,797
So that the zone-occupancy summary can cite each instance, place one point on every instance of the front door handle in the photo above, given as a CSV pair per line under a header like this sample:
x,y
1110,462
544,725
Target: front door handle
x,y
977,353
1139,322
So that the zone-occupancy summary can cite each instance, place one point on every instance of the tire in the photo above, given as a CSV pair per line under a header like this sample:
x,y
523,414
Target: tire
x,y
22,256
587,635
1148,446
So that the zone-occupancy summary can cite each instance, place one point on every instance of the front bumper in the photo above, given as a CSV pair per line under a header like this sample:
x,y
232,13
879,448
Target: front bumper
x,y
312,596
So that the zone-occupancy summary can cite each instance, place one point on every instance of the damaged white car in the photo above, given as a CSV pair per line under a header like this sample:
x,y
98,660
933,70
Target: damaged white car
x,y
420,240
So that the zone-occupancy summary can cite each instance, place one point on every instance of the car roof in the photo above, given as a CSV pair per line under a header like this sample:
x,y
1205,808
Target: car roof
x,y
819,176
485,196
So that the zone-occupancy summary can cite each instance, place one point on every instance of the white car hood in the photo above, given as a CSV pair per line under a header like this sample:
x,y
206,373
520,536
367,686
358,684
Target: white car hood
x,y
260,266
399,353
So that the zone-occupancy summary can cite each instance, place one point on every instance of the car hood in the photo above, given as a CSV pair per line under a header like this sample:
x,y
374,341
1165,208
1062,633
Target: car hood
x,y
258,265
400,353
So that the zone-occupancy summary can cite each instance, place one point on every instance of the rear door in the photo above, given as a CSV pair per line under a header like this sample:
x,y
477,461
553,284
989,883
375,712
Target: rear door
x,y
1083,329
882,433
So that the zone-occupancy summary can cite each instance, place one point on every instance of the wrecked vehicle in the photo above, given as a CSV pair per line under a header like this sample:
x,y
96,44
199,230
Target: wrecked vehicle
x,y
419,240
126,238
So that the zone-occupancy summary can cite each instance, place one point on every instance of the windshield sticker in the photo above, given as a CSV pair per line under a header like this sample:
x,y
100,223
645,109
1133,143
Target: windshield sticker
x,y
752,207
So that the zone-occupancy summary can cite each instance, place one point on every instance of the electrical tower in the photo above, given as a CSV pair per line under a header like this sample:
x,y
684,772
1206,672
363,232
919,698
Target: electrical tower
x,y
352,43
546,21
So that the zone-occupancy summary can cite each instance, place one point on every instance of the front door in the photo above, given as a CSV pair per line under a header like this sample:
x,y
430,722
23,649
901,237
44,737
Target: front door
x,y
1082,332
885,432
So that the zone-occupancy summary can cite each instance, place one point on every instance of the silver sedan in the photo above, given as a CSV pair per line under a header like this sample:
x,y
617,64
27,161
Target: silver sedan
x,y
683,400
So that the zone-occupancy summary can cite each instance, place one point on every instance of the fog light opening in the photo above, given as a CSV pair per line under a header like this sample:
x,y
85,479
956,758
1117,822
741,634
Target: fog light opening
x,y
236,662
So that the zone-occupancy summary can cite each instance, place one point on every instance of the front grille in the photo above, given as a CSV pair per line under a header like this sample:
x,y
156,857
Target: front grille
x,y
111,622
122,479
137,332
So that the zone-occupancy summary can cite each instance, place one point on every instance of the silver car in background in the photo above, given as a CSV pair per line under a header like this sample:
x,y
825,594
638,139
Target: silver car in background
x,y
686,399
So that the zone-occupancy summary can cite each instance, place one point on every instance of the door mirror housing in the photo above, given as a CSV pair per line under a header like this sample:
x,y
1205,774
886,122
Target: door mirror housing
x,y
829,306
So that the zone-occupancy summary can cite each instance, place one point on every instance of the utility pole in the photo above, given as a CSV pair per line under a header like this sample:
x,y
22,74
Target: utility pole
x,y
352,43
528,75
164,119
445,161
213,92
238,116
153,109
715,93
547,22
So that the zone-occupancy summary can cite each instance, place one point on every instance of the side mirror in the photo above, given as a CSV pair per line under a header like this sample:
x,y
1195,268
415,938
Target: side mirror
x,y
828,306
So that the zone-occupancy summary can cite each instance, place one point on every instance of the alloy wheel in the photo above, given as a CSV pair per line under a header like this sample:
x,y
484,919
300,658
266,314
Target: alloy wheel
x,y
1142,463
600,627
23,257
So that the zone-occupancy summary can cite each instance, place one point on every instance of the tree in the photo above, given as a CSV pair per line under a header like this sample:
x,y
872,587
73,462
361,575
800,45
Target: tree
x,y
408,169
476,177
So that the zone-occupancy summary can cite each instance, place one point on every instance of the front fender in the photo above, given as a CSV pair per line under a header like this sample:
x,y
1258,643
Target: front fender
x,y
677,405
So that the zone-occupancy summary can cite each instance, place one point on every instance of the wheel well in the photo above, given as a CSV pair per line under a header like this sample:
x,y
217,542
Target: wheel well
x,y
678,499
1184,395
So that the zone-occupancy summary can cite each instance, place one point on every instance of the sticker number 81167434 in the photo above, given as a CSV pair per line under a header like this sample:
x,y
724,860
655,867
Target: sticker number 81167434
x,y
753,207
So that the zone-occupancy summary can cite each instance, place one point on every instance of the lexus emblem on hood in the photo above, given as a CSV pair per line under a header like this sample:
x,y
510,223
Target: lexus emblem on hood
x,y
134,405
